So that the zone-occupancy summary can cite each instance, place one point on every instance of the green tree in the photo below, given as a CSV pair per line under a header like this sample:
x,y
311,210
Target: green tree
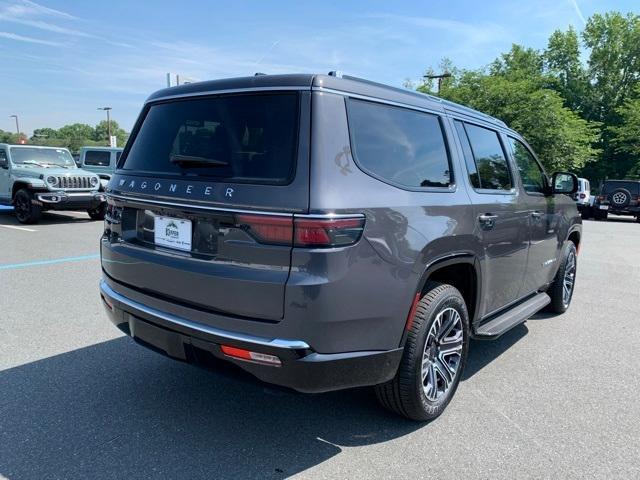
x,y
625,137
101,133
565,70
562,139
45,133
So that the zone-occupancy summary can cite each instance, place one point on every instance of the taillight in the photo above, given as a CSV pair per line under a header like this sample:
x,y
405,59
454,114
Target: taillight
x,y
601,198
303,231
329,232
582,195
269,229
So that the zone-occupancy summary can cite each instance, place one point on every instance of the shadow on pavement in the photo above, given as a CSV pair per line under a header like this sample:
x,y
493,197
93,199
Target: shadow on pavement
x,y
48,218
115,410
483,352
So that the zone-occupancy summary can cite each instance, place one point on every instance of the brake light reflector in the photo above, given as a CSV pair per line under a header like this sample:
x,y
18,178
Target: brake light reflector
x,y
327,232
242,354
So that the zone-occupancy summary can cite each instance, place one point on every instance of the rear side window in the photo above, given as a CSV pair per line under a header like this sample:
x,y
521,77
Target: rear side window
x,y
633,187
532,175
490,161
98,158
398,145
240,138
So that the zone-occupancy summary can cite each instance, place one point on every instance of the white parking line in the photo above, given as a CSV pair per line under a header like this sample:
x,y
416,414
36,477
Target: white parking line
x,y
19,228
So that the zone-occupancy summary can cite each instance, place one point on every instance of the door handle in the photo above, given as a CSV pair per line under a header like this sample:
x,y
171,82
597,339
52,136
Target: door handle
x,y
487,217
536,214
487,221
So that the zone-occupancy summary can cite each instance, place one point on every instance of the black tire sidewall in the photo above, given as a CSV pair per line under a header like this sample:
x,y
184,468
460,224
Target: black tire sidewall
x,y
450,297
34,210
99,212
626,202
557,304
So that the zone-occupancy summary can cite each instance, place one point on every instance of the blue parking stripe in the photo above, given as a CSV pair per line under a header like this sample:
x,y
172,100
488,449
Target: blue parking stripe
x,y
35,263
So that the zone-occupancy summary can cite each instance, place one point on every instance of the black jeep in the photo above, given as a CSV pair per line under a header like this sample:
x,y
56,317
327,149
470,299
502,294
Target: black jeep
x,y
619,197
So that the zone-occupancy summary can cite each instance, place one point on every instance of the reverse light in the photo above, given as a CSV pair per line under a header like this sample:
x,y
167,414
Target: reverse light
x,y
242,354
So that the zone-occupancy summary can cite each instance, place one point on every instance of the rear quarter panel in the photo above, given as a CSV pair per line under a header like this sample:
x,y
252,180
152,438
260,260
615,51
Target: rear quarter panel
x,y
364,293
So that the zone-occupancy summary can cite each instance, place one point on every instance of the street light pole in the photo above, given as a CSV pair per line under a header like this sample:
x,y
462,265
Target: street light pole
x,y
107,109
439,77
17,124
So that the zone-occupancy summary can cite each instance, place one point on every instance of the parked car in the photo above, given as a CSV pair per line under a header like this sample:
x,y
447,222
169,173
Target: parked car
x,y
100,160
35,179
326,232
583,196
619,197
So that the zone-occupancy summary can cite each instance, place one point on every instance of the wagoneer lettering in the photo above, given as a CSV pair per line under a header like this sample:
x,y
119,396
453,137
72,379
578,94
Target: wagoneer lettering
x,y
325,233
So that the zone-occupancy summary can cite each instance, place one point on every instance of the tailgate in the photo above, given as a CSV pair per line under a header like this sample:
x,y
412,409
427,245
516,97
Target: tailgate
x,y
181,234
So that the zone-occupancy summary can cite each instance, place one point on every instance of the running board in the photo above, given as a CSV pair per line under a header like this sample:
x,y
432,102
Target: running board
x,y
512,317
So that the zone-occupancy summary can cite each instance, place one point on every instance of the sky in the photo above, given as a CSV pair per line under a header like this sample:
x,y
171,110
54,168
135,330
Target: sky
x,y
60,60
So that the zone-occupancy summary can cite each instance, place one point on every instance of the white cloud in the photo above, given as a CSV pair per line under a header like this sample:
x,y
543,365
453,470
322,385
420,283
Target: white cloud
x,y
22,38
576,7
26,8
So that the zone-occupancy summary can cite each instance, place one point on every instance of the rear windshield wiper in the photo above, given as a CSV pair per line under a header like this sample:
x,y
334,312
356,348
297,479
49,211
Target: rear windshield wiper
x,y
192,161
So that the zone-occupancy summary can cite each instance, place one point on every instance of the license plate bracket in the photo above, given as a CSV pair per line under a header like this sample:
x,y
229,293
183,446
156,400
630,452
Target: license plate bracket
x,y
173,232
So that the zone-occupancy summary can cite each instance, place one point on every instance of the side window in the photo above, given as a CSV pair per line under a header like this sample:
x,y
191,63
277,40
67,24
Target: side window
x,y
493,170
399,145
98,158
3,157
532,175
474,178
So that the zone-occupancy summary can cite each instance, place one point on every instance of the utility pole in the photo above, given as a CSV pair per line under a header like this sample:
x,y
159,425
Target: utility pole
x,y
17,124
439,77
107,109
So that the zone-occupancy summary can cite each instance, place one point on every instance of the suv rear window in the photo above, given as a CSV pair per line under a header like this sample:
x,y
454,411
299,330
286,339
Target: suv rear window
x,y
98,158
239,138
633,187
399,145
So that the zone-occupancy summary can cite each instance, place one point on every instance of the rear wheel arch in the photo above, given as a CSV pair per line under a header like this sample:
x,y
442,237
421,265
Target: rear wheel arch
x,y
461,271
574,236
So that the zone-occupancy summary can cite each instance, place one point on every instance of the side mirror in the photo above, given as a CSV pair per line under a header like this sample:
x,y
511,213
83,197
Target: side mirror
x,y
564,182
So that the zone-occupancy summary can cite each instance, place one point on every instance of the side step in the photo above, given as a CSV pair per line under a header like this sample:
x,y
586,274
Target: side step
x,y
512,317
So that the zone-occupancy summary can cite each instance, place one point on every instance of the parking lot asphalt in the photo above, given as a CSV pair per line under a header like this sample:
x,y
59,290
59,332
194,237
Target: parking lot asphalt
x,y
556,397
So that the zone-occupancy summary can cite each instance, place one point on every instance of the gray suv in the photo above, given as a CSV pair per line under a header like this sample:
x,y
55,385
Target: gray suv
x,y
326,232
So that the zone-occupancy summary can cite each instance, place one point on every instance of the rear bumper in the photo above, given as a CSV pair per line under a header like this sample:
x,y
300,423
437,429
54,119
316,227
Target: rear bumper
x,y
629,210
301,369
70,201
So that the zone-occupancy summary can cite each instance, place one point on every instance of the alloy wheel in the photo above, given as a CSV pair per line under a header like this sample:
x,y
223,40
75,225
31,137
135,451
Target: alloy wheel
x,y
442,353
569,279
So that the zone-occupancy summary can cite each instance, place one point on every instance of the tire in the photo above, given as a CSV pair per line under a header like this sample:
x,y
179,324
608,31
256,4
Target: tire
x,y
620,197
559,302
406,394
99,212
25,209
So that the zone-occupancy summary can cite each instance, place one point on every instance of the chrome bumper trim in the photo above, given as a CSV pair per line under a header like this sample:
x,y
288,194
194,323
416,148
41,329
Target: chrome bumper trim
x,y
111,294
